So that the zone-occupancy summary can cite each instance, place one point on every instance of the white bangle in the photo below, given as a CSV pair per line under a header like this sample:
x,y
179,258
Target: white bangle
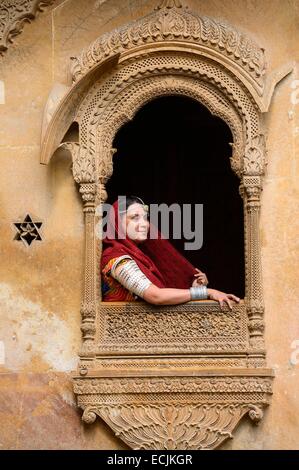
x,y
132,278
199,293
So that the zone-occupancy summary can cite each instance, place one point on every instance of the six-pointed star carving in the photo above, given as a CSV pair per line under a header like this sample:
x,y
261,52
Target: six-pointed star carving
x,y
28,230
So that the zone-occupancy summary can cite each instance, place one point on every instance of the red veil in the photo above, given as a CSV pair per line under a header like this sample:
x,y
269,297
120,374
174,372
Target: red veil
x,y
162,264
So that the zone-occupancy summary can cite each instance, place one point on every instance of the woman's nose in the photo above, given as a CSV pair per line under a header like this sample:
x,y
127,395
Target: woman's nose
x,y
143,224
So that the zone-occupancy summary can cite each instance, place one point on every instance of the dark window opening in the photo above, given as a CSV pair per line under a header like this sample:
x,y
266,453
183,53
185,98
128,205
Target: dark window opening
x,y
176,151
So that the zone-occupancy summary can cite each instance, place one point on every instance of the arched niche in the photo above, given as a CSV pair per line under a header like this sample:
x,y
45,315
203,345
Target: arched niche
x,y
176,152
162,386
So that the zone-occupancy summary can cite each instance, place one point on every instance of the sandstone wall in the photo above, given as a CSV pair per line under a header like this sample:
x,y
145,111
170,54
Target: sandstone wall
x,y
40,286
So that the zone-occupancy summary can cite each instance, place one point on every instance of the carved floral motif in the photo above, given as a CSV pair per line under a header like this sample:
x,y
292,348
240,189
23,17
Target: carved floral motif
x,y
255,156
14,14
172,23
216,384
191,327
173,412
170,427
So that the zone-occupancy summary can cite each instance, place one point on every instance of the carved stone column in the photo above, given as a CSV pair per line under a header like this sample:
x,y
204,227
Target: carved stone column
x,y
88,306
254,167
255,309
105,170
254,164
84,174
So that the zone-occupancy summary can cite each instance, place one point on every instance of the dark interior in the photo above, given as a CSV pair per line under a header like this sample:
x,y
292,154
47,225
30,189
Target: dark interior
x,y
176,151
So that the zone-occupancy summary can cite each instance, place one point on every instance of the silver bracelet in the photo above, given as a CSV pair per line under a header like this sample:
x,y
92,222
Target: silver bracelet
x,y
132,278
199,293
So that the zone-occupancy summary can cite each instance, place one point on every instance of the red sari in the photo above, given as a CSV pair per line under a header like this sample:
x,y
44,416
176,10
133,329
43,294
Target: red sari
x,y
161,263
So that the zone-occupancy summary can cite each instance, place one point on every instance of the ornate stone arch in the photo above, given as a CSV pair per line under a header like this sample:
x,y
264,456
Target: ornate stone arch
x,y
200,379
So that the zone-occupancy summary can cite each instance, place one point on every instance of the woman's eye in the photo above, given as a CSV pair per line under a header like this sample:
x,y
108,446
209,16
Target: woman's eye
x,y
136,217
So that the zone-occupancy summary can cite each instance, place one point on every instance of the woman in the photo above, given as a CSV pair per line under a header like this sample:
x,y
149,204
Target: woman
x,y
137,267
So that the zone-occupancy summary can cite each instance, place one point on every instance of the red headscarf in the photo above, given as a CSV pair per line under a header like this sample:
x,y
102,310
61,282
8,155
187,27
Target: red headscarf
x,y
161,263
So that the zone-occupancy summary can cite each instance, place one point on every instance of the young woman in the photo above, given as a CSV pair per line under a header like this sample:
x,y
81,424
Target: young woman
x,y
136,267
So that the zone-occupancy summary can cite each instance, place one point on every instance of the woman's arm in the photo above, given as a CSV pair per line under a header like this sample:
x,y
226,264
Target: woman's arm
x,y
168,296
131,277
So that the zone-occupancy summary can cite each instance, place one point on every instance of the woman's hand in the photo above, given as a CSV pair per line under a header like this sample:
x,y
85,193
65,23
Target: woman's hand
x,y
221,297
201,279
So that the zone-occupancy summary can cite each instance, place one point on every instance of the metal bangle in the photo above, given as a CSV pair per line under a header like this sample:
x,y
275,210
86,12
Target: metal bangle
x,y
132,278
199,293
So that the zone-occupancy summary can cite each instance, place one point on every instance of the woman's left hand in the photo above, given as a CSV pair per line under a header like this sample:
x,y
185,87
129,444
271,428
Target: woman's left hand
x,y
201,279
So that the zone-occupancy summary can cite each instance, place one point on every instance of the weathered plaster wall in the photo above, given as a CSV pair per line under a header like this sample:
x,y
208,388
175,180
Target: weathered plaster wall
x,y
40,286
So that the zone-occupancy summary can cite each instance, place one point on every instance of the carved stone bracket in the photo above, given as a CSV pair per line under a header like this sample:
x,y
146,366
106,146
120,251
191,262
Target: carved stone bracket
x,y
255,156
83,167
14,14
175,411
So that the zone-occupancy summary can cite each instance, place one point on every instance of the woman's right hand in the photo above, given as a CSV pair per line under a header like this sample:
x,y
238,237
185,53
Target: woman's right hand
x,y
221,297
201,279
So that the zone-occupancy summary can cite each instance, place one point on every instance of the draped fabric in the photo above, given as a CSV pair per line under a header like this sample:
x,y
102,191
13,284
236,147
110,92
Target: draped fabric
x,y
157,258
112,290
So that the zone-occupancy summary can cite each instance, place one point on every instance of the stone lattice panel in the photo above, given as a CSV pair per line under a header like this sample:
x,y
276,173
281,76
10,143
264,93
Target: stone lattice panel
x,y
195,327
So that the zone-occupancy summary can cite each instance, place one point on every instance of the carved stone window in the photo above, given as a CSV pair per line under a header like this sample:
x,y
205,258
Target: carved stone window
x,y
175,151
186,379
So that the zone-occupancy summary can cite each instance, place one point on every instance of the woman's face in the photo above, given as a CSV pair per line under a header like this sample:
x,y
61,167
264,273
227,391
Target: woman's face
x,y
135,223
